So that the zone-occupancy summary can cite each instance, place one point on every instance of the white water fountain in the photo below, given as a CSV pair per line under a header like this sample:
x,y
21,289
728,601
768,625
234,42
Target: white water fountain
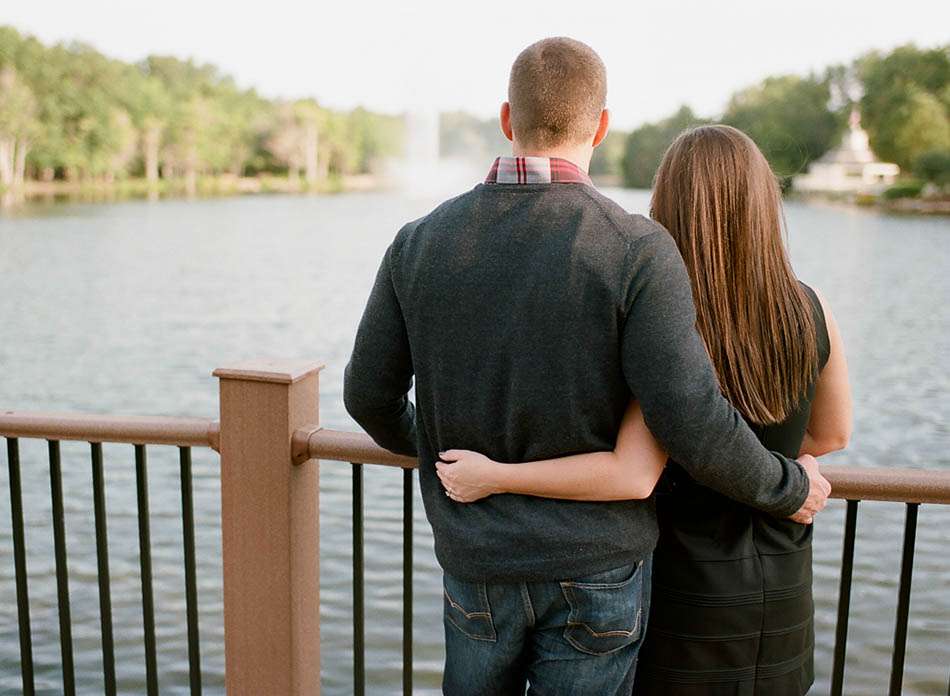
x,y
424,173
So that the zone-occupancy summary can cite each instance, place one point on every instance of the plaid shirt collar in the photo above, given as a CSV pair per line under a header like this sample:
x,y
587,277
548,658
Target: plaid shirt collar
x,y
536,170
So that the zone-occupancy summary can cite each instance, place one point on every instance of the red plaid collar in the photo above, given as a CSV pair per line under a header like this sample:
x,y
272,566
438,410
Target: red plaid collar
x,y
536,170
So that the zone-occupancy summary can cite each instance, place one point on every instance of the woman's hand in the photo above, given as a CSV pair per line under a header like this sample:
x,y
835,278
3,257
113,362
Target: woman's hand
x,y
467,476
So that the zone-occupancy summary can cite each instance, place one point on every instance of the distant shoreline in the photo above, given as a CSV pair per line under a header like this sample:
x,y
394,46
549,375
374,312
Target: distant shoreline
x,y
210,186
900,206
224,185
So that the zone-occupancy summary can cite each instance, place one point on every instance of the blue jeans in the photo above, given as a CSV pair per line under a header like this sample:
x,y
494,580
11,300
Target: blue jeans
x,y
578,636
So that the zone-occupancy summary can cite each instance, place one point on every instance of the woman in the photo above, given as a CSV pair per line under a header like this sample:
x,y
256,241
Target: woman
x,y
731,607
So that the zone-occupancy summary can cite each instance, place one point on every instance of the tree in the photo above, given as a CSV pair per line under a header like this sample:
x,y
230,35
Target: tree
x,y
906,84
375,137
309,117
646,145
789,118
17,112
284,141
126,138
924,127
149,104
607,160
934,167
295,139
192,147
470,137
68,111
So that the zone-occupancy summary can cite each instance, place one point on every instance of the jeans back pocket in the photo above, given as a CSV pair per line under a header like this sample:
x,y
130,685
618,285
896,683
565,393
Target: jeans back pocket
x,y
605,610
466,607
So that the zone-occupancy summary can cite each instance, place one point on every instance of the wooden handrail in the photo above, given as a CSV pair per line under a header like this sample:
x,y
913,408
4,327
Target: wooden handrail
x,y
889,484
86,427
847,482
343,446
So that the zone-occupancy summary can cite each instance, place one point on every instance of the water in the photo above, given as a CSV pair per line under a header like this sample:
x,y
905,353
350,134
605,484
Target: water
x,y
127,307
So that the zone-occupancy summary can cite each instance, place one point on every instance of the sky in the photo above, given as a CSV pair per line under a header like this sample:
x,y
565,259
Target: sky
x,y
403,56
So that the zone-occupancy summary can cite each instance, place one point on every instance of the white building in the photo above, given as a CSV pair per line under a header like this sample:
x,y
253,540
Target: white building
x,y
849,168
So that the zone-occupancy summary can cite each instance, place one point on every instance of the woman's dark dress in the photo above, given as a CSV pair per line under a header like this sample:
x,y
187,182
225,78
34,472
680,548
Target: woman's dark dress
x,y
731,611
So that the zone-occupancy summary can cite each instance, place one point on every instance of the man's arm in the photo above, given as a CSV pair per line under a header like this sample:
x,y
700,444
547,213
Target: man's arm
x,y
378,377
669,372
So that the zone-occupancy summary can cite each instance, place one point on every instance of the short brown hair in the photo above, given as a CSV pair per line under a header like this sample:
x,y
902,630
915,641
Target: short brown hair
x,y
557,91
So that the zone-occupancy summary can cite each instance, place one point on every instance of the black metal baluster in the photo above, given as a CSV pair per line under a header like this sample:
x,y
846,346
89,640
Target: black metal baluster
x,y
19,563
145,564
407,582
191,582
903,599
102,558
62,572
844,598
359,647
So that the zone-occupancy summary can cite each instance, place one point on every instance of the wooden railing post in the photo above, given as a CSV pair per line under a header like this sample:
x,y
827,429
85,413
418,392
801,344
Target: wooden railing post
x,y
269,530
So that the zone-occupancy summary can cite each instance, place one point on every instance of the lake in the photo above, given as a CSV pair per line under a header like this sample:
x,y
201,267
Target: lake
x,y
127,307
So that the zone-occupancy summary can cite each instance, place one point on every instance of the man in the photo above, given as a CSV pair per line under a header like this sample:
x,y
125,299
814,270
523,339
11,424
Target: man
x,y
530,311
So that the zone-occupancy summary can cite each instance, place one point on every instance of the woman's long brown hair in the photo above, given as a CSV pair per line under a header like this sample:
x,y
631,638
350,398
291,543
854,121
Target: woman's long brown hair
x,y
717,196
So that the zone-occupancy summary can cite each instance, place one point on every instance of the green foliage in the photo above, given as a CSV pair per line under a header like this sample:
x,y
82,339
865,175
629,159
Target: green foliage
x,y
644,147
906,104
905,109
905,189
88,117
373,138
925,126
17,105
608,157
933,167
465,136
789,118
68,111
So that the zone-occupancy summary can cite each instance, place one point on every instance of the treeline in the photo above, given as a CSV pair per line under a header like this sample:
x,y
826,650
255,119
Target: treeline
x,y
903,97
69,112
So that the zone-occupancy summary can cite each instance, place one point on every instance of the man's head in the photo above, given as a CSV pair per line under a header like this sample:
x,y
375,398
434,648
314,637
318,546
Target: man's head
x,y
556,97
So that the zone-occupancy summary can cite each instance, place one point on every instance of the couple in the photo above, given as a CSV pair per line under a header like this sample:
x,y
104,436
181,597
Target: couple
x,y
565,357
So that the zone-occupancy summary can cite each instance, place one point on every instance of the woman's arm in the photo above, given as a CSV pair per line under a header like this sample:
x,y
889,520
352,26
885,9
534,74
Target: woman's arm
x,y
829,426
629,472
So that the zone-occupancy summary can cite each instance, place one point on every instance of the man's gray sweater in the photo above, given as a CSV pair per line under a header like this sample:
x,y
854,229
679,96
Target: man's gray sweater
x,y
529,316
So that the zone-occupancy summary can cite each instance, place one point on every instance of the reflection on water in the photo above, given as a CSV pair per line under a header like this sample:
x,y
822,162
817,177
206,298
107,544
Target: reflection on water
x,y
128,307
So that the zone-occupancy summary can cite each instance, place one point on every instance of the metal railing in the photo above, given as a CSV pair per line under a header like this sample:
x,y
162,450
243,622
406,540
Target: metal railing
x,y
359,449
852,484
911,487
140,432
269,438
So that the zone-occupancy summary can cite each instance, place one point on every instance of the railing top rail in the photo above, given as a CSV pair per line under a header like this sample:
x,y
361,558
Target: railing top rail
x,y
359,448
889,484
138,430
847,482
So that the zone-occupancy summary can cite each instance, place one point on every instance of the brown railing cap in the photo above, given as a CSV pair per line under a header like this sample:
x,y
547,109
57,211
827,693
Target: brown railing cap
x,y
265,370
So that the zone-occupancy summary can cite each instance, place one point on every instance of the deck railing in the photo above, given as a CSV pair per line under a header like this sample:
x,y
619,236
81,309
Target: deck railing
x,y
140,432
269,439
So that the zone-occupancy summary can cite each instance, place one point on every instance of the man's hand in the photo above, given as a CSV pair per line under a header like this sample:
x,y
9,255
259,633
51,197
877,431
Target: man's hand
x,y
818,491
